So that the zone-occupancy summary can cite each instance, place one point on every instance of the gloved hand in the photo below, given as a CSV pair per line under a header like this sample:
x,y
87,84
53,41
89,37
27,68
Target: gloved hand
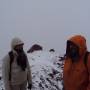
x,y
29,86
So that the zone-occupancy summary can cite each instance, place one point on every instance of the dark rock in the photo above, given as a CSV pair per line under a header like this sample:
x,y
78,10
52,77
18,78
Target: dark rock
x,y
0,77
35,47
51,75
51,50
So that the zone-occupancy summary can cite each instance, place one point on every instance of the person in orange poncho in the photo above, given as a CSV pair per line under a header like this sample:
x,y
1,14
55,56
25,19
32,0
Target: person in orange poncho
x,y
76,74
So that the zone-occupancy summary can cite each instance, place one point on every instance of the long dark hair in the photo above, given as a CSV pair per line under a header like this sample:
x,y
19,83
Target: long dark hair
x,y
22,60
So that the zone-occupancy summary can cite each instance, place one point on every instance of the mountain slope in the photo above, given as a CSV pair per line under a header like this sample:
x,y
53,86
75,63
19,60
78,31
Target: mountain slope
x,y
46,70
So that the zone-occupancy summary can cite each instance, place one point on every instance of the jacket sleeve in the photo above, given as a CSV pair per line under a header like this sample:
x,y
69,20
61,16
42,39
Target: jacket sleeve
x,y
5,72
88,66
29,76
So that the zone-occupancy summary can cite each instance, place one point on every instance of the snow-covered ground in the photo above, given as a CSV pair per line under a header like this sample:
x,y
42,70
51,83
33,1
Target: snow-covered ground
x,y
46,70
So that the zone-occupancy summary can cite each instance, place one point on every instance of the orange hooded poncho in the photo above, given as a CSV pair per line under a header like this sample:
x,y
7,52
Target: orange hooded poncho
x,y
76,75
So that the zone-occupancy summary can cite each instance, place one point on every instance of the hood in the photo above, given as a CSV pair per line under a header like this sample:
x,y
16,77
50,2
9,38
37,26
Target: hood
x,y
80,41
16,41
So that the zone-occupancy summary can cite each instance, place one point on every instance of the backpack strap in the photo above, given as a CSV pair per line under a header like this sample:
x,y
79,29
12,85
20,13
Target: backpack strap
x,y
11,60
86,58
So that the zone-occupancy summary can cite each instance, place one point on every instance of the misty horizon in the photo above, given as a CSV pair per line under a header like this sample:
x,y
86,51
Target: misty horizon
x,y
48,23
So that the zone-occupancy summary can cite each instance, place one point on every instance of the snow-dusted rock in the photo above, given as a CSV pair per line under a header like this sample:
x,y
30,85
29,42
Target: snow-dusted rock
x,y
46,70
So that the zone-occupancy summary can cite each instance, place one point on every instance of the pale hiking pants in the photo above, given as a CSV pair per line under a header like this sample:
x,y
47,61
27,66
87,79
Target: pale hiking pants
x,y
19,87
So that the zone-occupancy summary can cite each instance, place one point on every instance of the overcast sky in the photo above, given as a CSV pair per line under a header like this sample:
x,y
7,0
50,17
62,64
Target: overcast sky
x,y
46,22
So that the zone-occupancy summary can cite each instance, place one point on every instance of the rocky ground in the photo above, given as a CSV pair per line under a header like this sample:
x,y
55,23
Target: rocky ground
x,y
46,70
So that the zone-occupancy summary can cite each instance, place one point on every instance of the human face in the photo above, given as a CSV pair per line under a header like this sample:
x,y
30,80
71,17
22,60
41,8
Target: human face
x,y
19,48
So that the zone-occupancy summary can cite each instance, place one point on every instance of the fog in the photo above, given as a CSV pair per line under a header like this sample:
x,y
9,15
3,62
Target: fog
x,y
46,22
